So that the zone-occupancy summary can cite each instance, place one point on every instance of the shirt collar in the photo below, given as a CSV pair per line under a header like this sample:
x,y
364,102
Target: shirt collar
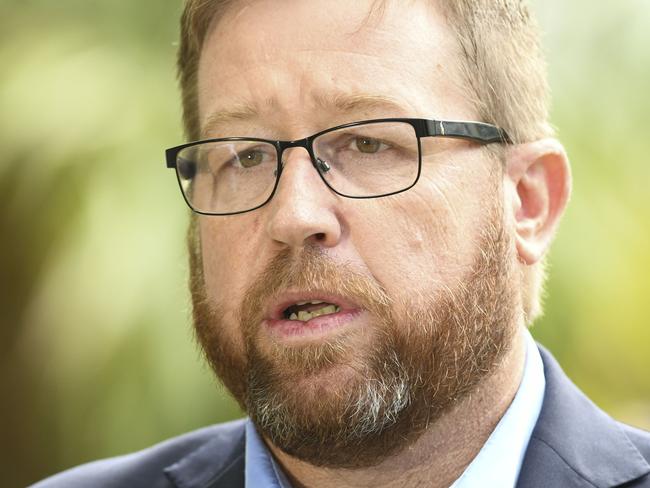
x,y
512,434
489,468
261,469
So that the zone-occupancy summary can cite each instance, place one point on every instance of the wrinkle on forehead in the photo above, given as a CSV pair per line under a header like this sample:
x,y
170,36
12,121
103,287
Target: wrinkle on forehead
x,y
282,75
374,22
332,102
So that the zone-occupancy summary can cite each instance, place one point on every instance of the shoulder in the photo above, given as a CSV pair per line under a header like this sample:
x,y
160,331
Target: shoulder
x,y
575,443
147,468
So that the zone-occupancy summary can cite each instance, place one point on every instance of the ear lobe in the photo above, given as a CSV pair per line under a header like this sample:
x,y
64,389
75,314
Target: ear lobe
x,y
540,180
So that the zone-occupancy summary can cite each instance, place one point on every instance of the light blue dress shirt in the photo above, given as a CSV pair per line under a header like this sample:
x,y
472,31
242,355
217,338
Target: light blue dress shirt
x,y
499,461
496,465
261,471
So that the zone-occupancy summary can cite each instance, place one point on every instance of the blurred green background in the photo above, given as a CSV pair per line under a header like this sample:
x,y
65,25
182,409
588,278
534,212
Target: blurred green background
x,y
96,350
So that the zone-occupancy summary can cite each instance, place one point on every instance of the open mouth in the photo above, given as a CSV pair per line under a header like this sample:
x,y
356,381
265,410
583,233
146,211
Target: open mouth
x,y
305,311
298,316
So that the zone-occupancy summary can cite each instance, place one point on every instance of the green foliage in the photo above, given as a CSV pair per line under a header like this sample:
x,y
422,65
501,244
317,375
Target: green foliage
x,y
97,352
597,307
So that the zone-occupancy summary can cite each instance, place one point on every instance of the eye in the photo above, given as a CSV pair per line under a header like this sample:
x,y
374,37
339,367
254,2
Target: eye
x,y
368,145
251,158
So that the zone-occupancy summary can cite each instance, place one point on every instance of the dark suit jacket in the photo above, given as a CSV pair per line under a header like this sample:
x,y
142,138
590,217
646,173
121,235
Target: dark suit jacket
x,y
574,444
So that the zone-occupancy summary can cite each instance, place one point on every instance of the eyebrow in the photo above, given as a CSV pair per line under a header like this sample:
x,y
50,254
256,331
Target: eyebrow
x,y
341,103
345,103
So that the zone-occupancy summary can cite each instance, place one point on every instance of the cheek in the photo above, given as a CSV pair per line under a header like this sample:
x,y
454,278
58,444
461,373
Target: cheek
x,y
423,239
230,258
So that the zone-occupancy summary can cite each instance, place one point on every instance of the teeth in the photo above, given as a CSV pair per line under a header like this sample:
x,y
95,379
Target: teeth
x,y
305,316
311,303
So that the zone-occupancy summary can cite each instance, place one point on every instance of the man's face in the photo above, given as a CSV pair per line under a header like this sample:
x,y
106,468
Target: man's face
x,y
423,279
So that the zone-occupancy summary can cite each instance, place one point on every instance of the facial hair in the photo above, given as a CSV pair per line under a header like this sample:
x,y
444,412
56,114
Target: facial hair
x,y
421,356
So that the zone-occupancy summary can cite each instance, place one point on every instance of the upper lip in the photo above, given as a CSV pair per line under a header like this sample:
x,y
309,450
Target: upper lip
x,y
277,305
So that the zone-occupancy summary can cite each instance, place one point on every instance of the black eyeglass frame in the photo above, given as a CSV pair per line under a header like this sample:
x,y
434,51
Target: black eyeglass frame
x,y
474,131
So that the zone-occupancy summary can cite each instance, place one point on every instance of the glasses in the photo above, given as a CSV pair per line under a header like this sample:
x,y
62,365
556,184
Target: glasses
x,y
367,159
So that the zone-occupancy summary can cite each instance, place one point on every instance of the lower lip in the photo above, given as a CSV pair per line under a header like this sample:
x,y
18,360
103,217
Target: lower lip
x,y
313,328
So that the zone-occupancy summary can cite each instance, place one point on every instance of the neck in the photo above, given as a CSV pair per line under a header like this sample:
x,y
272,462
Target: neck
x,y
443,452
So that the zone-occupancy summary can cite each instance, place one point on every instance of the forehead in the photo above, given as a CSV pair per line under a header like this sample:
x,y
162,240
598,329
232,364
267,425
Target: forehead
x,y
301,61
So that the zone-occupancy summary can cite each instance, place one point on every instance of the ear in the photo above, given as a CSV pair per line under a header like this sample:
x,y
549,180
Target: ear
x,y
538,179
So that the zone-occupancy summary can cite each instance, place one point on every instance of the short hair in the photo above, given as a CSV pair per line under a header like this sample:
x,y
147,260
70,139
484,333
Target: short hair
x,y
502,65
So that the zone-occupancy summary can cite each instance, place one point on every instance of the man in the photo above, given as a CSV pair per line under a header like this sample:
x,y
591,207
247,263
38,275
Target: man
x,y
363,266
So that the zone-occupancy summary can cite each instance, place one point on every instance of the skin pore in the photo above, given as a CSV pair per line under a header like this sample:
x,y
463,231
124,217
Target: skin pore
x,y
435,271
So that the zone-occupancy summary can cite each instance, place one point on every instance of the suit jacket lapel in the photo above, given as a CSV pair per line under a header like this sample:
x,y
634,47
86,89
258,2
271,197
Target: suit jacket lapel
x,y
219,463
574,443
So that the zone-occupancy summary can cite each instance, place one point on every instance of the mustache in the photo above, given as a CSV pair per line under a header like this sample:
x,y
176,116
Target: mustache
x,y
311,270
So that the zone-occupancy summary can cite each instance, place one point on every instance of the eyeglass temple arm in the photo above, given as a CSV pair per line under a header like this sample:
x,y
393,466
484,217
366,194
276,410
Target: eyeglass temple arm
x,y
476,131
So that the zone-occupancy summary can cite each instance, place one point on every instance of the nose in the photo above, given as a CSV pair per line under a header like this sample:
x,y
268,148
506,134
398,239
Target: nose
x,y
303,210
